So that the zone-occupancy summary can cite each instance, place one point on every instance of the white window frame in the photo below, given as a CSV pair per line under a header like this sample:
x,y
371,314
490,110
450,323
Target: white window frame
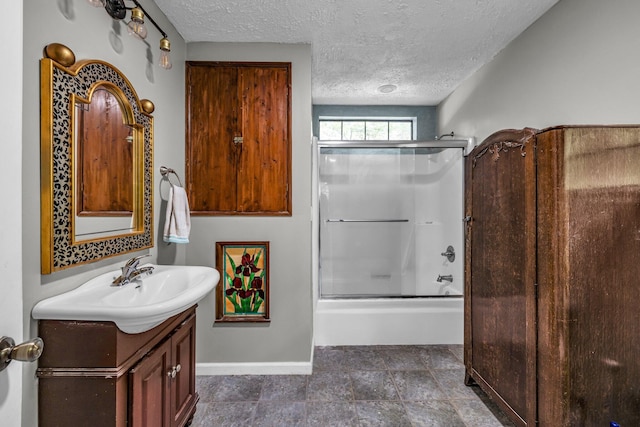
x,y
413,120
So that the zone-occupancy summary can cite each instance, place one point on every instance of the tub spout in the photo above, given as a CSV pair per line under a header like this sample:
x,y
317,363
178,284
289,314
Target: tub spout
x,y
448,278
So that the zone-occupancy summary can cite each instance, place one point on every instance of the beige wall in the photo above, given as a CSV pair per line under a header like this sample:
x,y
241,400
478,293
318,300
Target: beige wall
x,y
288,337
91,33
578,64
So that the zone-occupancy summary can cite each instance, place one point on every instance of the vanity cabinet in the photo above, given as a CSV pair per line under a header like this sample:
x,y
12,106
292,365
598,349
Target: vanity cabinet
x,y
91,373
552,274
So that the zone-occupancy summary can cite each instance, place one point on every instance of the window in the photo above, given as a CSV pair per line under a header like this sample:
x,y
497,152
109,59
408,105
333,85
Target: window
x,y
365,129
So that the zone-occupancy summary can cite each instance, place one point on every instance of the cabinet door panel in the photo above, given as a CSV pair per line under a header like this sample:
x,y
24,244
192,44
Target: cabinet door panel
x,y
589,212
263,170
150,389
183,391
212,123
502,276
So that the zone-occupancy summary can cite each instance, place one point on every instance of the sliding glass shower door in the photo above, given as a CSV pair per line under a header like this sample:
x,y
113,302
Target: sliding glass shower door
x,y
387,215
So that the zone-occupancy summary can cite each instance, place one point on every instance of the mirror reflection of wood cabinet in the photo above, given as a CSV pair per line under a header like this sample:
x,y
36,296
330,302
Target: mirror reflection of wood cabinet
x,y
551,291
105,157
238,156
91,373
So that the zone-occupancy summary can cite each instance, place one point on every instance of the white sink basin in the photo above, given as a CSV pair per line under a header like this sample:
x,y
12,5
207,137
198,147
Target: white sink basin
x,y
137,306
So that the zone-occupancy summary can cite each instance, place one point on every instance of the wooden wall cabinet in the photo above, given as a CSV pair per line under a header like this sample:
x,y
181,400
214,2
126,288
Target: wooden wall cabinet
x,y
552,274
93,374
238,142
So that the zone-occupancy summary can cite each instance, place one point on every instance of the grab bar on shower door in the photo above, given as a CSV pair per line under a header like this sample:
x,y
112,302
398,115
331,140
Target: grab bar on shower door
x,y
367,220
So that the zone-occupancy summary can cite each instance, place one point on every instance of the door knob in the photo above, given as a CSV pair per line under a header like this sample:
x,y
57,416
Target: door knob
x,y
28,351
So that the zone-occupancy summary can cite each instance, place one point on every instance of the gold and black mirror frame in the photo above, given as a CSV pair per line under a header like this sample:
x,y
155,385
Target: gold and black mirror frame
x,y
66,86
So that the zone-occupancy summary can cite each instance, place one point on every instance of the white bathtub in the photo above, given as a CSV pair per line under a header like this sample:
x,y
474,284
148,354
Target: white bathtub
x,y
407,321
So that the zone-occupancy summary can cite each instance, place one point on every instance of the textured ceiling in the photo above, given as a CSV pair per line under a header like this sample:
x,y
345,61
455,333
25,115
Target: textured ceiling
x,y
424,47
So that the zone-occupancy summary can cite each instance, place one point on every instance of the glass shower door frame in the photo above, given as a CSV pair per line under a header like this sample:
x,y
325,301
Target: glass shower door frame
x,y
391,220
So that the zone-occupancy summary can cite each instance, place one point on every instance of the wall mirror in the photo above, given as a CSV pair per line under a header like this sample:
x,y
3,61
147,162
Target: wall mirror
x,y
96,162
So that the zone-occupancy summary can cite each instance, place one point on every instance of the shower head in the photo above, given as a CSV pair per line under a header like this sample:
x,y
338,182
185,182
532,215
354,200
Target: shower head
x,y
438,138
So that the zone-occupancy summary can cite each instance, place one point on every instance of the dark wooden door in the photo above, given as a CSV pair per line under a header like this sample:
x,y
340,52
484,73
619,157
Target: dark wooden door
x,y
150,382
589,241
264,164
183,388
212,123
500,278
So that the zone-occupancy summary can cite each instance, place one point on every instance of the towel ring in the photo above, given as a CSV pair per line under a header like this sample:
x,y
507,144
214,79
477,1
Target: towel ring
x,y
165,171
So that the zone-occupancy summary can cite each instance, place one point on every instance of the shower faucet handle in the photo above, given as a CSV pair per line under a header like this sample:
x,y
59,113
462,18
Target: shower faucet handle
x,y
450,254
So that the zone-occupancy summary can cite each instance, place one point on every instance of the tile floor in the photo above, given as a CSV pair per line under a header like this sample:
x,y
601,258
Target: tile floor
x,y
391,386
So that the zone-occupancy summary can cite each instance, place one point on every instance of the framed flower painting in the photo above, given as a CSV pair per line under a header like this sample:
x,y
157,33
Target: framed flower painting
x,y
243,292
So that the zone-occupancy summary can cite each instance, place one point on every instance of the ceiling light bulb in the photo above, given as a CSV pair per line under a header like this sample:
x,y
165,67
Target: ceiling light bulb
x,y
165,58
136,27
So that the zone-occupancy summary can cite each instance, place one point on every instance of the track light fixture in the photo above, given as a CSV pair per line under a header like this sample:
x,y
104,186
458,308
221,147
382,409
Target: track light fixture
x,y
136,26
118,10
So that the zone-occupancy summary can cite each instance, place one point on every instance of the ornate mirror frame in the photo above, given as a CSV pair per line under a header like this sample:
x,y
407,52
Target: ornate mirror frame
x,y
62,81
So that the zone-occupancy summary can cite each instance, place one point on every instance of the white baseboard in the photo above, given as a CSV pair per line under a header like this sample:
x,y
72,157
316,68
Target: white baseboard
x,y
268,368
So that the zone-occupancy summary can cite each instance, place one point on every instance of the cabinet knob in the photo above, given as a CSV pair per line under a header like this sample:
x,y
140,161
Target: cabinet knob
x,y
174,371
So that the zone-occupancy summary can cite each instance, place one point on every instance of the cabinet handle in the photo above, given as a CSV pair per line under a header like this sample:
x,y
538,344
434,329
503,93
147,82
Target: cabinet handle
x,y
174,371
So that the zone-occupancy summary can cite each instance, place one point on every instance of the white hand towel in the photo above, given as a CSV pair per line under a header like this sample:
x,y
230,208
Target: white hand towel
x,y
178,222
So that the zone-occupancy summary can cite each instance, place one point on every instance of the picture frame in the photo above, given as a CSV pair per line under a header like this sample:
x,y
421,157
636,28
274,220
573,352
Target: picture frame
x,y
242,295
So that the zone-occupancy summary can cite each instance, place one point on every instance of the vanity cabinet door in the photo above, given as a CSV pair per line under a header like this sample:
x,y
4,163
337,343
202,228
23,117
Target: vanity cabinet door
x,y
183,385
163,384
150,382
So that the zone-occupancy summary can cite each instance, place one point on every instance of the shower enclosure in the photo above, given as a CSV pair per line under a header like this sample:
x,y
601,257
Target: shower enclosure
x,y
390,218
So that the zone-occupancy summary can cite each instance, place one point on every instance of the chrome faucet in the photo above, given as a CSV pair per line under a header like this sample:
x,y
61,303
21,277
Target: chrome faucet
x,y
448,278
130,271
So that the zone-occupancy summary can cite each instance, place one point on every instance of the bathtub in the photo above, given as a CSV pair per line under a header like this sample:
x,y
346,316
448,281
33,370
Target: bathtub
x,y
389,321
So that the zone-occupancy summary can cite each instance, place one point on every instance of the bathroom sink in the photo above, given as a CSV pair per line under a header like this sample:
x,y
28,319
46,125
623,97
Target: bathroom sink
x,y
137,306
